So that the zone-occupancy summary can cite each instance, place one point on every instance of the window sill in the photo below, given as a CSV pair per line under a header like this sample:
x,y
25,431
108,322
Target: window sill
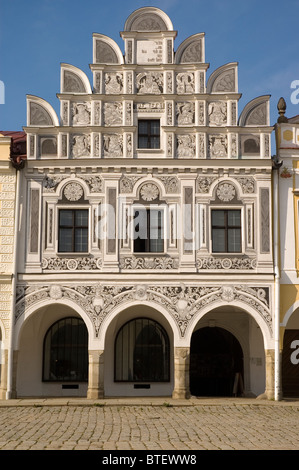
x,y
145,150
150,253
72,254
237,253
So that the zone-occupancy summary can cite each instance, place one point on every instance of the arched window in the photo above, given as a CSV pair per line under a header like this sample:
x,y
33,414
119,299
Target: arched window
x,y
142,352
66,351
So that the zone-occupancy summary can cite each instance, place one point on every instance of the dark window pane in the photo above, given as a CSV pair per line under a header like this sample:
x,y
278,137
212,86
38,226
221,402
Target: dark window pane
x,y
66,239
143,127
218,240
66,218
66,351
149,231
73,230
218,218
149,134
142,142
234,218
155,127
234,240
81,242
142,352
226,231
81,218
155,142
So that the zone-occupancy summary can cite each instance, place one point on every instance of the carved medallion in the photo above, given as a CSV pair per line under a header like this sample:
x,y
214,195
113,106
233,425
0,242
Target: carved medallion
x,y
149,192
226,192
73,192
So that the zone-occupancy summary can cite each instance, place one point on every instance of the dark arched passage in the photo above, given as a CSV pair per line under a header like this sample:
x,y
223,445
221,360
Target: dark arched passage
x,y
216,358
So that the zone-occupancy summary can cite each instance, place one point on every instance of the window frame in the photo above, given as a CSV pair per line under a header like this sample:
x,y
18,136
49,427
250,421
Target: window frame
x,y
166,354
148,135
148,208
73,209
44,358
241,228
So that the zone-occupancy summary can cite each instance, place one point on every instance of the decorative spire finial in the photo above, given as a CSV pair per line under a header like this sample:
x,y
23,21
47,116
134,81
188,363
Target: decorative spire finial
x,y
281,106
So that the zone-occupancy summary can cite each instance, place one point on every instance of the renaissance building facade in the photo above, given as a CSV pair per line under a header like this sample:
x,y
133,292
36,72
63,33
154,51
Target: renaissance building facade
x,y
145,259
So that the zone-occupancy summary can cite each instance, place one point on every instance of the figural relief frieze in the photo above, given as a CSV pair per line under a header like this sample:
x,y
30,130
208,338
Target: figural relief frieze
x,y
185,113
81,145
81,113
185,82
113,145
218,146
149,83
182,302
185,146
217,111
113,114
114,83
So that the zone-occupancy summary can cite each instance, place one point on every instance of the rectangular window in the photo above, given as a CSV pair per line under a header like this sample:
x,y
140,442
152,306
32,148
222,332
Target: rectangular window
x,y
73,231
226,231
148,231
149,134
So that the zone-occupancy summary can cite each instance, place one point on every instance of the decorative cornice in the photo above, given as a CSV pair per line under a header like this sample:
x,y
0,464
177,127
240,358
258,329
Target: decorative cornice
x,y
182,302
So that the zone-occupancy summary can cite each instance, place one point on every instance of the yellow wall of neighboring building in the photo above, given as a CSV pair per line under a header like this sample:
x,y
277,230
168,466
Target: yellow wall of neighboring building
x,y
289,294
4,147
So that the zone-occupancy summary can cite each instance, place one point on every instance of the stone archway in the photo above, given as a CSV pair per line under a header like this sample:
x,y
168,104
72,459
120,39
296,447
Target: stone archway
x,y
29,366
216,363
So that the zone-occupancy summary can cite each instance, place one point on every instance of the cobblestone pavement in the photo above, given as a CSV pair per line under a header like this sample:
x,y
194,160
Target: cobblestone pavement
x,y
149,425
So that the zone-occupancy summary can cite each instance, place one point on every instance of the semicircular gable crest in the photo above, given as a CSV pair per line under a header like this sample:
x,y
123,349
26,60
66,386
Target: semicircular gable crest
x,y
223,79
40,112
256,112
74,80
148,19
106,51
191,50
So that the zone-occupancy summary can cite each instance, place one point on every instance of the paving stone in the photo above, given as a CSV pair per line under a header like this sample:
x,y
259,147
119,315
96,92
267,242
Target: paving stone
x,y
134,425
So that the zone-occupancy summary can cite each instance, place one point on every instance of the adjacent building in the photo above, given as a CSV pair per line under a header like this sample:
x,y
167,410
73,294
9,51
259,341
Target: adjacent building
x,y
12,154
285,208
145,252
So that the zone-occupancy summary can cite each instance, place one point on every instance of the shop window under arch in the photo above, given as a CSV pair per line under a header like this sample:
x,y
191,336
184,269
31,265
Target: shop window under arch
x,y
142,352
65,355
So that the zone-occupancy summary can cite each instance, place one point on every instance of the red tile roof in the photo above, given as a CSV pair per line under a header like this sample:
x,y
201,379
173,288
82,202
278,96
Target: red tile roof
x,y
18,151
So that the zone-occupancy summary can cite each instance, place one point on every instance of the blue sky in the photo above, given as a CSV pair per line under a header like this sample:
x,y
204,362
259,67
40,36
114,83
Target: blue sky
x,y
37,35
